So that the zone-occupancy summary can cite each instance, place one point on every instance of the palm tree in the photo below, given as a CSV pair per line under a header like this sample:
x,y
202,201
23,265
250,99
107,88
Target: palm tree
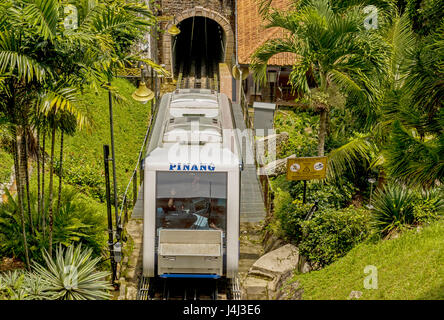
x,y
331,47
415,147
43,66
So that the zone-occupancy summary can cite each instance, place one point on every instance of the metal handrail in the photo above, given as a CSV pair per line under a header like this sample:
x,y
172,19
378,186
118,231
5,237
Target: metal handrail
x,y
267,191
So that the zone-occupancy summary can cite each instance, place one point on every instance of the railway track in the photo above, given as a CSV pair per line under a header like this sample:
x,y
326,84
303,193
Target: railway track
x,y
198,73
188,289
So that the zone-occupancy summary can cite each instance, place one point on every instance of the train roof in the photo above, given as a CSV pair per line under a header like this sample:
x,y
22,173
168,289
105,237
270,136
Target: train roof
x,y
193,126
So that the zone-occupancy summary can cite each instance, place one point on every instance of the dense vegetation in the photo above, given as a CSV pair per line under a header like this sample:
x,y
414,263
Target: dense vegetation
x,y
370,99
55,78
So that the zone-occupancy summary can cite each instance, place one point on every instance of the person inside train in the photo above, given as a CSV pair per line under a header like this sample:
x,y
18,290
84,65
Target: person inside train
x,y
174,204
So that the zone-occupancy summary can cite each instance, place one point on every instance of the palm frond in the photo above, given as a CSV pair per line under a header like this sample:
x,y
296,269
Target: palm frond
x,y
43,15
15,62
413,161
344,158
62,99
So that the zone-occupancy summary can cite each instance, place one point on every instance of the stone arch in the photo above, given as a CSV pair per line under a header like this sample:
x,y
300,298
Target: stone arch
x,y
167,52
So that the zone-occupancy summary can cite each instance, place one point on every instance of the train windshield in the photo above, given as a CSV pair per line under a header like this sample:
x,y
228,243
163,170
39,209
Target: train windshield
x,y
186,200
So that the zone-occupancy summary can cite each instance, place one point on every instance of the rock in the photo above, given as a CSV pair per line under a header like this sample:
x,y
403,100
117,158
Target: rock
x,y
131,293
276,167
255,288
269,272
355,295
272,243
122,289
276,262
306,267
286,290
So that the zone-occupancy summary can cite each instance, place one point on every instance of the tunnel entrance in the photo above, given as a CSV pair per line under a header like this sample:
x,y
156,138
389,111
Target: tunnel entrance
x,y
197,51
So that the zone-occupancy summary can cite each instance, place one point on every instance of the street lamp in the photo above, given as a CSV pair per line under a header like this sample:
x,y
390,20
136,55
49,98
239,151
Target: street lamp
x,y
371,181
174,30
143,93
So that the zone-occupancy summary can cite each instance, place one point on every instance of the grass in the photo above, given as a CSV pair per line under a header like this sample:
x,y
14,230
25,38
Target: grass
x,y
408,268
83,152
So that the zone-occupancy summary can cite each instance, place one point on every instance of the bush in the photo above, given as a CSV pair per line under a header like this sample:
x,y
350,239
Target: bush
x,y
289,215
332,233
397,208
21,285
392,209
78,221
329,194
429,206
302,128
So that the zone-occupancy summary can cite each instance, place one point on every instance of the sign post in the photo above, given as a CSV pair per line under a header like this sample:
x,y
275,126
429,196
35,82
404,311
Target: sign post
x,y
306,168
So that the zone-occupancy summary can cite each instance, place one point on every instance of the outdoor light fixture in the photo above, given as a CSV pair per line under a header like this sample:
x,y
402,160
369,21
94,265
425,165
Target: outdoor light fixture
x,y
174,30
118,252
236,71
143,93
371,181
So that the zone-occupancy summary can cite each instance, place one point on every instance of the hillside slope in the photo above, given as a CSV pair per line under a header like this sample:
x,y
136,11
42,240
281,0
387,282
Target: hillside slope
x,y
409,267
83,152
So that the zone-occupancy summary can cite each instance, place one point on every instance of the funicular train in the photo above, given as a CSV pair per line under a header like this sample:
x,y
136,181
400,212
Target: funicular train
x,y
192,188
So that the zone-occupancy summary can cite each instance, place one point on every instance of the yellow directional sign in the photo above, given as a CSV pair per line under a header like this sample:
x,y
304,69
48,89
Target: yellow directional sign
x,y
306,168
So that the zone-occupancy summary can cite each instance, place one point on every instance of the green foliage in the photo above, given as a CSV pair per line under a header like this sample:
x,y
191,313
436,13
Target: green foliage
x,y
425,14
6,163
302,128
72,275
393,209
83,161
21,285
410,267
331,194
289,215
79,220
429,206
332,233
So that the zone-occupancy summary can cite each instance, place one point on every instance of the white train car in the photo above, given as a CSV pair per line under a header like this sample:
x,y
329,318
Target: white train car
x,y
192,188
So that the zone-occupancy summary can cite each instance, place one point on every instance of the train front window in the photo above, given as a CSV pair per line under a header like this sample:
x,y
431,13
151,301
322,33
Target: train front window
x,y
186,200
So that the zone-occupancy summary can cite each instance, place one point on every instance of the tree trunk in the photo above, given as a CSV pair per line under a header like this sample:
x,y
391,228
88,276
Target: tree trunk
x,y
25,170
42,207
51,178
61,172
322,131
39,199
15,147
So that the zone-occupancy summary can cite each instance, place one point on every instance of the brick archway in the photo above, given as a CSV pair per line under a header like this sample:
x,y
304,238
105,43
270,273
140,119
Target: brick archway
x,y
167,53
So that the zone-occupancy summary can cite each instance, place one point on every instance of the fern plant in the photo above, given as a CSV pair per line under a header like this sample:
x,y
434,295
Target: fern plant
x,y
72,275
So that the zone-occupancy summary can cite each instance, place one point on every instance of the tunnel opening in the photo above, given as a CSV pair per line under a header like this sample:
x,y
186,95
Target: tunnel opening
x,y
198,49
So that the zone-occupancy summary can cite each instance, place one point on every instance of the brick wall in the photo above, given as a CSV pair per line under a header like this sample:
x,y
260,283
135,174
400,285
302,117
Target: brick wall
x,y
224,8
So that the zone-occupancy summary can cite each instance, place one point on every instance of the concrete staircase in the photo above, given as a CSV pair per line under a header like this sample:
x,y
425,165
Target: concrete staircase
x,y
252,204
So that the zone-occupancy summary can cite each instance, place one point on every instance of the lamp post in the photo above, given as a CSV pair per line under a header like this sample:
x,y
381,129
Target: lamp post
x,y
371,181
143,94
113,154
